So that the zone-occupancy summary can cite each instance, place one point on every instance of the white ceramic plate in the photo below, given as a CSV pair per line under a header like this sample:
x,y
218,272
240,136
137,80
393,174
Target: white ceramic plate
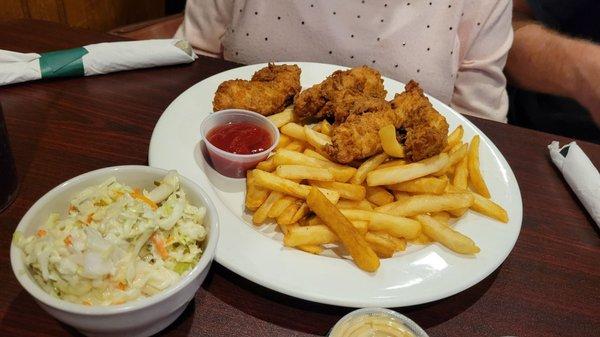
x,y
420,275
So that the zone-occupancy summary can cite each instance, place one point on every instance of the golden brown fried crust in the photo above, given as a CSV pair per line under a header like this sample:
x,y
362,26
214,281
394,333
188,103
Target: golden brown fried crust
x,y
269,91
324,99
358,136
426,129
352,103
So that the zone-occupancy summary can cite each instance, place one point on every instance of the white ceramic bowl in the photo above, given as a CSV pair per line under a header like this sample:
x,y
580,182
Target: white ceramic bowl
x,y
142,317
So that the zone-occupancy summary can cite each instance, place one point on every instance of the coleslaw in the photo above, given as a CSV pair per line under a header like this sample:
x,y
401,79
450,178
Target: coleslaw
x,y
117,243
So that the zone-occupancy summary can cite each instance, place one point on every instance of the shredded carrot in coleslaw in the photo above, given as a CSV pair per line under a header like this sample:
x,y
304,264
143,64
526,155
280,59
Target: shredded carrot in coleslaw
x,y
137,194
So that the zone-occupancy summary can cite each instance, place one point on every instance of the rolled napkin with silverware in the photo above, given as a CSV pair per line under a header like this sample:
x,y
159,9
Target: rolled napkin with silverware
x,y
581,175
93,59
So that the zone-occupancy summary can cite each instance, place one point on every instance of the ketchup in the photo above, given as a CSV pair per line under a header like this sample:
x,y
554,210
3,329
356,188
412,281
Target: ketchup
x,y
240,138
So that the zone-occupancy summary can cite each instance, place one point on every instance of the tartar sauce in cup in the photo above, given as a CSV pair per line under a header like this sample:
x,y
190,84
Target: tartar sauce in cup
x,y
237,140
376,322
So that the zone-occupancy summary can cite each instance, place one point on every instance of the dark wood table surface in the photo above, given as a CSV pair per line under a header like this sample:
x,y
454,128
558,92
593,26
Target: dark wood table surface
x,y
548,286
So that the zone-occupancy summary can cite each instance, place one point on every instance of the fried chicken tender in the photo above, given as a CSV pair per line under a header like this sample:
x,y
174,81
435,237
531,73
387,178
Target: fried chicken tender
x,y
269,91
336,95
358,136
426,129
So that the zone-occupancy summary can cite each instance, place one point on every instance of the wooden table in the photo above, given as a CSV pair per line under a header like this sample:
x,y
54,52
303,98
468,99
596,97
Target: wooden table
x,y
548,286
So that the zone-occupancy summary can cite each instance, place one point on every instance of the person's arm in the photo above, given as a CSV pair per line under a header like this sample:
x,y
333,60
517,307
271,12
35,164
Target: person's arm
x,y
480,86
546,61
205,23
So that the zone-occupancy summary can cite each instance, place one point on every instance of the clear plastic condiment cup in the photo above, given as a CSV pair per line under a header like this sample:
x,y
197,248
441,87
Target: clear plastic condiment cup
x,y
375,322
231,164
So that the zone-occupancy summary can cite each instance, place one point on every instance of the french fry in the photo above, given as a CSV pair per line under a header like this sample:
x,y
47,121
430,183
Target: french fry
x,y
318,154
266,165
285,228
393,163
283,141
456,147
313,249
340,173
293,130
316,139
302,211
454,138
361,226
394,175
457,213
351,204
261,214
309,235
273,182
316,127
399,242
314,154
443,217
382,245
296,145
399,195
368,166
427,203
430,185
255,196
474,171
447,236
301,172
362,254
379,195
346,191
393,225
313,221
461,175
287,216
284,117
280,205
332,196
326,128
422,239
487,207
456,155
389,142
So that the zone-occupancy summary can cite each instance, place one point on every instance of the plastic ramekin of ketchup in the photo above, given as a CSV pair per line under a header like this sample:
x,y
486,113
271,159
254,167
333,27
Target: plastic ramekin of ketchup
x,y
237,140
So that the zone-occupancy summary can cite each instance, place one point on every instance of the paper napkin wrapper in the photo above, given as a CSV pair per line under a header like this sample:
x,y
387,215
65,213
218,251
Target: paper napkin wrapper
x,y
581,175
93,59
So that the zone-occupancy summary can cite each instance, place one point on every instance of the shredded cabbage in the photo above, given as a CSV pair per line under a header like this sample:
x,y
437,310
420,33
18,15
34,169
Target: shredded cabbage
x,y
117,244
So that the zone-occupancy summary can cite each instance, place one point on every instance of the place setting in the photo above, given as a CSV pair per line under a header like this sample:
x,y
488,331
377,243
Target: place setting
x,y
358,202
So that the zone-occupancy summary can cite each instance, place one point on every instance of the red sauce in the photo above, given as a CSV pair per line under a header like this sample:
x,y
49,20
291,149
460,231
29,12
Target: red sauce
x,y
240,138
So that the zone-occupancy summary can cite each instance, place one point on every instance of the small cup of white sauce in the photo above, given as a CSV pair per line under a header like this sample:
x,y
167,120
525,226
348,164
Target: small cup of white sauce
x,y
376,322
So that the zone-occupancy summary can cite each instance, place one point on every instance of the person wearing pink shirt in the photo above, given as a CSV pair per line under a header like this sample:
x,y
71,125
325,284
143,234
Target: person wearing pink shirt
x,y
455,49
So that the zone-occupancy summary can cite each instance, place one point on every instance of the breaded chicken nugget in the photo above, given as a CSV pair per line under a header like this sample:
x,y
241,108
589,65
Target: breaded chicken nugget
x,y
411,112
323,99
269,91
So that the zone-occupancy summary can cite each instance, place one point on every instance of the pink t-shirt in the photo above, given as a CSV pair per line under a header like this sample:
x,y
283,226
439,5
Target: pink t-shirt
x,y
456,49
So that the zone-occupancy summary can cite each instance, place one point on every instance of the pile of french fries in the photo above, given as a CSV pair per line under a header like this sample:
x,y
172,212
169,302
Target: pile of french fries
x,y
372,210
